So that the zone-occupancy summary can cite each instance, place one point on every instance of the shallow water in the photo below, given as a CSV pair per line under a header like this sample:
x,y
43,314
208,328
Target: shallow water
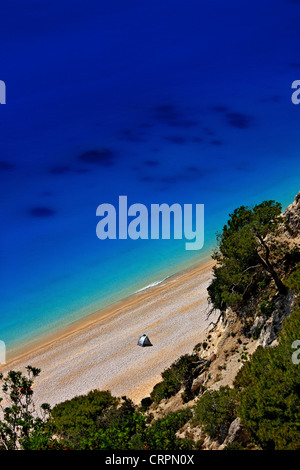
x,y
164,103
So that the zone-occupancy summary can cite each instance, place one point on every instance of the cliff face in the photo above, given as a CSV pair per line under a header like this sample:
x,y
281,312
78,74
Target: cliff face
x,y
292,215
228,345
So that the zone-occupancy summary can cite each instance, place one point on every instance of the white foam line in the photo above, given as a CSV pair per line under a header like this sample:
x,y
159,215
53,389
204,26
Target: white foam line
x,y
153,284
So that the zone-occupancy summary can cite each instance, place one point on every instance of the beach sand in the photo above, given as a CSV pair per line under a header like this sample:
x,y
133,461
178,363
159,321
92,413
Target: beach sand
x,y
101,350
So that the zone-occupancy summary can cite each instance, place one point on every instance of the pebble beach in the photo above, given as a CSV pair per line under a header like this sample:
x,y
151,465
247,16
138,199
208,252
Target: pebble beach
x,y
101,351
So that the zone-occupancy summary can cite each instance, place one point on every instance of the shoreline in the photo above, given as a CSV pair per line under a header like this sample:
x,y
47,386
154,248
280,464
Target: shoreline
x,y
99,351
100,314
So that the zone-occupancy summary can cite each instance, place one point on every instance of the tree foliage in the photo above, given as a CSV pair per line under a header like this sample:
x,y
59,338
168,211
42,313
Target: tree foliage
x,y
95,421
21,427
162,433
116,426
266,393
269,392
215,410
75,419
173,377
245,254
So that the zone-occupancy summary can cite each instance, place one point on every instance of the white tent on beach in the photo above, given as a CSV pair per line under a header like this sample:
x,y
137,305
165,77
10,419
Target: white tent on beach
x,y
144,341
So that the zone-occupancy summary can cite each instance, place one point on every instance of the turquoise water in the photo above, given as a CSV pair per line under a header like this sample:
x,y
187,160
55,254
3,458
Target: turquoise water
x,y
193,103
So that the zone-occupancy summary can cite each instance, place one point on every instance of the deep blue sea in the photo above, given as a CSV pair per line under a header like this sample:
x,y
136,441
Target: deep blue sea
x,y
190,102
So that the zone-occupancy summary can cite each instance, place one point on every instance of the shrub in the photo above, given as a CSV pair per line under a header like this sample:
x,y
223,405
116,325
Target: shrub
x,y
246,254
256,333
79,417
124,430
269,392
197,347
161,435
266,307
215,410
293,281
22,426
174,377
146,403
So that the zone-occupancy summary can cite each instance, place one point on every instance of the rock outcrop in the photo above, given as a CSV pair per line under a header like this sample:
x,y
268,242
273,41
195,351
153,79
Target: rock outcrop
x,y
228,345
292,215
234,431
270,326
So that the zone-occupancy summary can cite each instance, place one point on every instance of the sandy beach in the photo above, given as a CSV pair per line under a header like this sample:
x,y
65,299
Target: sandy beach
x,y
101,350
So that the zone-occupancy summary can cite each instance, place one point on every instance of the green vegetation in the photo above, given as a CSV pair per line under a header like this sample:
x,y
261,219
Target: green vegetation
x,y
161,434
269,392
266,307
174,377
96,421
20,428
293,281
119,428
252,269
246,255
266,396
215,410
75,420
251,262
266,392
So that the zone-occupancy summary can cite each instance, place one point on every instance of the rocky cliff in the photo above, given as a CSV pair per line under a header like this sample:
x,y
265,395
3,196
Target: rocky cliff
x,y
231,342
292,216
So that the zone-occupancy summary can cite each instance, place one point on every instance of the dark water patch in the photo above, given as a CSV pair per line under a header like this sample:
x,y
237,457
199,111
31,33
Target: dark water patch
x,y
216,142
271,99
42,211
165,109
82,170
295,65
145,125
147,179
221,109
178,140
198,172
59,170
189,174
6,166
244,166
46,193
103,157
197,139
183,124
166,112
129,135
192,168
239,120
208,131
132,138
171,179
151,163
